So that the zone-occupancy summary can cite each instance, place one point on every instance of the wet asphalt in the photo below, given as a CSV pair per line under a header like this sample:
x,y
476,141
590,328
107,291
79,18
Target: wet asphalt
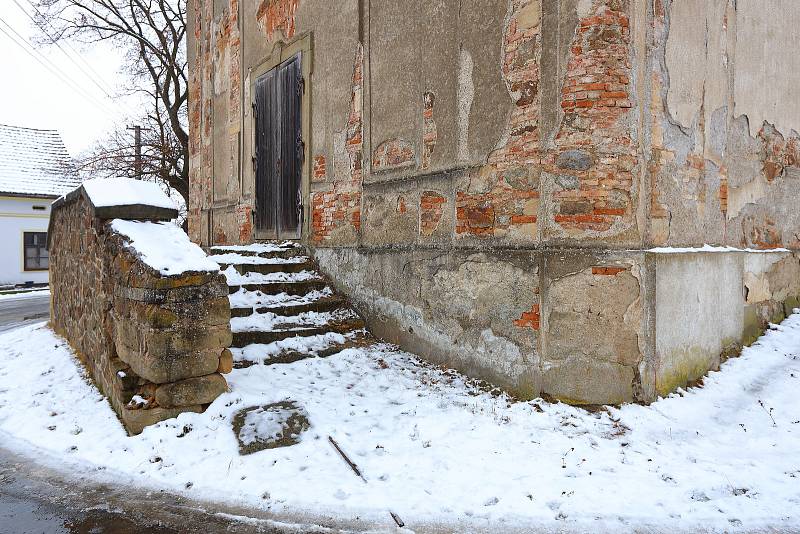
x,y
23,310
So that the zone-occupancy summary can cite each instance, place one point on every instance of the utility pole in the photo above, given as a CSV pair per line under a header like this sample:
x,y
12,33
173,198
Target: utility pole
x,y
137,139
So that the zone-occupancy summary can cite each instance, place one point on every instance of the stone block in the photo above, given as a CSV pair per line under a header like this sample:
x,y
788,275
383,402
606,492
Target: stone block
x,y
192,391
161,369
136,420
168,343
225,362
576,160
580,380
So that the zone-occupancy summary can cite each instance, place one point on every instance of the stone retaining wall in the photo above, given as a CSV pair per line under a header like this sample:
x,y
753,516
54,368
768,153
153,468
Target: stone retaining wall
x,y
155,345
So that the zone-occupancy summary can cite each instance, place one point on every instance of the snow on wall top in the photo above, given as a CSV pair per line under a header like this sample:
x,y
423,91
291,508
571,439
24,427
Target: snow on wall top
x,y
126,192
164,247
33,162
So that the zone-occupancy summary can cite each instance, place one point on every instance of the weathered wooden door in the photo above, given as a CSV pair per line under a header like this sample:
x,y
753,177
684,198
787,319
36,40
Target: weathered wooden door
x,y
279,152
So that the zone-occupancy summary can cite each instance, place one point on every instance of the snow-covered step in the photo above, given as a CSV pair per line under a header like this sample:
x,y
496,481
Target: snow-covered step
x,y
235,278
256,299
270,321
287,249
268,266
324,304
275,288
294,349
289,330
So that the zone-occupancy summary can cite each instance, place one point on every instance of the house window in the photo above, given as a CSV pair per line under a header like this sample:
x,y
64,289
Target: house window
x,y
35,248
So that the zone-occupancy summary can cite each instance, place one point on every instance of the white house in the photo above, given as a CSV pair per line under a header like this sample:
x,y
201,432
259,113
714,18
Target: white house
x,y
32,174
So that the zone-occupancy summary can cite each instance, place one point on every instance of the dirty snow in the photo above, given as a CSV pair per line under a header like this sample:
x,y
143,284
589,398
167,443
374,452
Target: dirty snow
x,y
104,192
235,278
434,449
164,247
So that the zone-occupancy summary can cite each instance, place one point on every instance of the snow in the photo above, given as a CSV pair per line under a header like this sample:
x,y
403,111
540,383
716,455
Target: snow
x,y
257,352
435,449
164,247
253,299
264,424
261,322
126,192
258,248
712,248
238,259
22,295
236,279
34,162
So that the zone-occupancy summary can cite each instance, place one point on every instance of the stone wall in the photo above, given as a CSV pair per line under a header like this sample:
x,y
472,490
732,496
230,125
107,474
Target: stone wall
x,y
155,345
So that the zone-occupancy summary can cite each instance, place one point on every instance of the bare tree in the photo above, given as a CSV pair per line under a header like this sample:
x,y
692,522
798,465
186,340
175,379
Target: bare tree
x,y
152,33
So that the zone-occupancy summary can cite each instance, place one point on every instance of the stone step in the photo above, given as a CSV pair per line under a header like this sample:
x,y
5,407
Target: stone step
x,y
282,253
360,339
325,304
242,339
267,268
290,288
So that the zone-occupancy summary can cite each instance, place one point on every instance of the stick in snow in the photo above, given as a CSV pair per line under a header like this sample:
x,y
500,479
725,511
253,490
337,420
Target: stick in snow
x,y
353,466
355,469
397,519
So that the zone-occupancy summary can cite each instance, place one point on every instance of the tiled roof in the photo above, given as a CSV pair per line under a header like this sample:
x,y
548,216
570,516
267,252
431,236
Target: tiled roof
x,y
32,162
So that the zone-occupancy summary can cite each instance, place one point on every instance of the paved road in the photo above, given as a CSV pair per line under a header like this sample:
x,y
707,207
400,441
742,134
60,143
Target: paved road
x,y
38,500
19,311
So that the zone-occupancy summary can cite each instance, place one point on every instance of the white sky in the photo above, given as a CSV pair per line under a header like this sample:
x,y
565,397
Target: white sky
x,y
33,96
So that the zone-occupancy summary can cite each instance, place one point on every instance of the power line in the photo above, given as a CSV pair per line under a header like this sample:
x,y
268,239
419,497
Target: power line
x,y
92,78
52,68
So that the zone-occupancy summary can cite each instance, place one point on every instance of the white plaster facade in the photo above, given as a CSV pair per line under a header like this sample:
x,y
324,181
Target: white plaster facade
x,y
17,216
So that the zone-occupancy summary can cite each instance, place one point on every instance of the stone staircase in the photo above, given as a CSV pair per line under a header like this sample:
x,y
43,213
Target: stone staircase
x,y
282,308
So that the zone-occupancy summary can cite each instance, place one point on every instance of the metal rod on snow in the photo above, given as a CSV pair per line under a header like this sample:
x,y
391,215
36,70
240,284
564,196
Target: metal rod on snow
x,y
354,467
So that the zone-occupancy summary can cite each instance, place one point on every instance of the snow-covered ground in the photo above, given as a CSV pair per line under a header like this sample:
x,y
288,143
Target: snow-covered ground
x,y
435,449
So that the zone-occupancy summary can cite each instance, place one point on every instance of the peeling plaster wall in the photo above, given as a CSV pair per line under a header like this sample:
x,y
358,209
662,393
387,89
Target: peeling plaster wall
x,y
484,178
724,150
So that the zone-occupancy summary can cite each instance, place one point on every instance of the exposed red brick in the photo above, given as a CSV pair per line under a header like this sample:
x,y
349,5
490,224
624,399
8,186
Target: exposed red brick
x,y
391,154
529,319
510,201
341,204
429,132
274,15
244,219
319,168
431,206
608,271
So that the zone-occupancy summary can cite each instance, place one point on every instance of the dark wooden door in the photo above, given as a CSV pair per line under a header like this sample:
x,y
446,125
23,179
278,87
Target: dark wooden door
x,y
279,152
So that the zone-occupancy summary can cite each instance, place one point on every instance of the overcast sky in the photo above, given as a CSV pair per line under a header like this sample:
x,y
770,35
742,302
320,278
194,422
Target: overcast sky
x,y
32,95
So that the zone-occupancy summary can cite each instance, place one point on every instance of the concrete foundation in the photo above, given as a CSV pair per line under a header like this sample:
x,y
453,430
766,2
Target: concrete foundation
x,y
575,325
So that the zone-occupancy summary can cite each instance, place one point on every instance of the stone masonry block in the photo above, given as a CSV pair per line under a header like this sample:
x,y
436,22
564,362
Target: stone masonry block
x,y
199,390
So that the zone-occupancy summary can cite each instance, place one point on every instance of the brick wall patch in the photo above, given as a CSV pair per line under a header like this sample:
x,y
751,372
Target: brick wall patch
x,y
429,133
393,154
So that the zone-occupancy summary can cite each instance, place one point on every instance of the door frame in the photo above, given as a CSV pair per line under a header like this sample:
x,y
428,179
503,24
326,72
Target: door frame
x,y
281,52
